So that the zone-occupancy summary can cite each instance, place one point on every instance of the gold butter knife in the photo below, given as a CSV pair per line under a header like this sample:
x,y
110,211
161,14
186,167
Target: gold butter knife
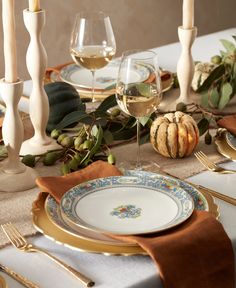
x,y
21,279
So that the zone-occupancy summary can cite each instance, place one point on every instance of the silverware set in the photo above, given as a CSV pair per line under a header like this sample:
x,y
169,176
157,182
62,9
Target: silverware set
x,y
17,240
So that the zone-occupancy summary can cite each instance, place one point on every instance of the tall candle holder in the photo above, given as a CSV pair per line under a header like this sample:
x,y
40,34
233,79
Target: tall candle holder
x,y
36,60
14,175
185,66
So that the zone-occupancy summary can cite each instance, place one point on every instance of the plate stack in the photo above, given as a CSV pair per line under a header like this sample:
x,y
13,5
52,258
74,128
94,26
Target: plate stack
x,y
137,203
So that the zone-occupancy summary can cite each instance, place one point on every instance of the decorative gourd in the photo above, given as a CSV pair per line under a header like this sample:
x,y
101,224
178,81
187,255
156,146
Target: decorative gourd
x,y
201,73
174,135
63,99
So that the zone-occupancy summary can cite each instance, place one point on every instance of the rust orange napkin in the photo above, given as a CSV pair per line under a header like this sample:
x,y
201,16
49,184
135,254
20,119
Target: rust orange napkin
x,y
229,123
196,254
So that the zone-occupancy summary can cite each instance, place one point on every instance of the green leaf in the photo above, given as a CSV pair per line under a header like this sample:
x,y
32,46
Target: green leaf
x,y
108,137
215,75
108,103
204,99
223,53
144,89
143,120
234,37
203,126
229,46
74,117
96,146
94,130
214,98
225,95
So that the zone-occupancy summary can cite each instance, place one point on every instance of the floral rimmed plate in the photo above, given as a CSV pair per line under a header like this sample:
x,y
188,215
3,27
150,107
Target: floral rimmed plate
x,y
202,201
53,210
82,78
126,205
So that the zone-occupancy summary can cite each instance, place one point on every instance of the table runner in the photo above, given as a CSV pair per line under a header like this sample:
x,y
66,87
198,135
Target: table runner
x,y
16,207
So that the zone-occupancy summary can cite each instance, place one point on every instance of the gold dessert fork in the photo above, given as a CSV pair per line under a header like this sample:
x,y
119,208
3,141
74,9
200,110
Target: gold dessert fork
x,y
20,243
205,161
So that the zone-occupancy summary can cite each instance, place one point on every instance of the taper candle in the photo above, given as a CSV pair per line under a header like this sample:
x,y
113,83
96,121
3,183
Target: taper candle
x,y
9,32
188,14
34,5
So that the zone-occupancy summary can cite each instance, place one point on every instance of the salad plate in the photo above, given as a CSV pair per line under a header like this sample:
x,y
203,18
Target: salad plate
x,y
126,205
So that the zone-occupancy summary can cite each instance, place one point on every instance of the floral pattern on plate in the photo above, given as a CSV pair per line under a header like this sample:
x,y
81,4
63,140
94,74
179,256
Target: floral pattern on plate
x,y
164,204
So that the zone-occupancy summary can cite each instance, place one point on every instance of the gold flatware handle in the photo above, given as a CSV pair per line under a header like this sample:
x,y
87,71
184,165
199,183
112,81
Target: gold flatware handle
x,y
83,279
21,279
216,194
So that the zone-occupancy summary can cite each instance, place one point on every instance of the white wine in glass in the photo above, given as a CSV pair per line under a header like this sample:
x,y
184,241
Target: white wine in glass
x,y
136,96
92,42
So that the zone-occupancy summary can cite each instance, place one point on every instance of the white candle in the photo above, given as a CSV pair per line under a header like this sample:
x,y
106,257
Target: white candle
x,y
9,33
188,14
34,5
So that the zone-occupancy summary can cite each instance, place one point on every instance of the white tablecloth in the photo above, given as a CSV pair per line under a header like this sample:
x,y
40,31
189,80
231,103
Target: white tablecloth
x,y
117,271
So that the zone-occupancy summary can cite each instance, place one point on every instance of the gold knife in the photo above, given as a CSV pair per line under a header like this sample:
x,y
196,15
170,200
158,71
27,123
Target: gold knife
x,y
21,279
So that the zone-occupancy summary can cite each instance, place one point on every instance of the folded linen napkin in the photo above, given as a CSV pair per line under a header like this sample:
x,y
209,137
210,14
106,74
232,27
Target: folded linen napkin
x,y
229,123
196,254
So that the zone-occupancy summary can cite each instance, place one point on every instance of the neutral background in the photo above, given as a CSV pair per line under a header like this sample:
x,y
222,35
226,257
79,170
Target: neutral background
x,y
136,24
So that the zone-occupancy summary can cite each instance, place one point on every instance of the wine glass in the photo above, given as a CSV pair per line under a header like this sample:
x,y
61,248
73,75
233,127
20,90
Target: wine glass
x,y
138,88
92,42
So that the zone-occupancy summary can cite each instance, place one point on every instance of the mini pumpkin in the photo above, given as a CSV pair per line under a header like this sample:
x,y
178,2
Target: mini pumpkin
x,y
174,135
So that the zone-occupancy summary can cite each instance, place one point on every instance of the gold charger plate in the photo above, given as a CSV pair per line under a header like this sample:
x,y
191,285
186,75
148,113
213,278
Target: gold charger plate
x,y
222,145
42,223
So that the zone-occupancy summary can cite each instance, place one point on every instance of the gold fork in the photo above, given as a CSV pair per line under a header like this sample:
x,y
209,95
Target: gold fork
x,y
20,243
205,161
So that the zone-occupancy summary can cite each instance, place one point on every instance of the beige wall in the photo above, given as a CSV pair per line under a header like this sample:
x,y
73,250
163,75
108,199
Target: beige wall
x,y
136,24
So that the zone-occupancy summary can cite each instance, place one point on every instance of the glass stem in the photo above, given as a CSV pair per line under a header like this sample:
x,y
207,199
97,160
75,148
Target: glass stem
x,y
138,162
93,80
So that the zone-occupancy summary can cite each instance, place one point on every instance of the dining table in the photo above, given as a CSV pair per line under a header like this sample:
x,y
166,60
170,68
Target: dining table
x,y
137,271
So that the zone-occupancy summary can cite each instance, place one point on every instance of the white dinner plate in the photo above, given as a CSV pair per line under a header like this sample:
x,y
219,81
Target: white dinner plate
x,y
126,205
105,77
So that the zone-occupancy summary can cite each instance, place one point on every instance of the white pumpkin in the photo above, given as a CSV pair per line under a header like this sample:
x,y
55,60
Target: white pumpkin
x,y
174,135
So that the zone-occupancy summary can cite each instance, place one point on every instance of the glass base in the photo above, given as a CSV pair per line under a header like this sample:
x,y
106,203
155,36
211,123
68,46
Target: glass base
x,y
148,166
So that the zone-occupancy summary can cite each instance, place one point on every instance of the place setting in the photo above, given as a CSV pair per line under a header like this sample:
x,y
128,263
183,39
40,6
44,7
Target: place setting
x,y
104,168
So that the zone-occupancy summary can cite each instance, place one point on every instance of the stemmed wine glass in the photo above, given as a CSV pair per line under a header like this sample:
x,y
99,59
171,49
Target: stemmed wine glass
x,y
92,42
136,95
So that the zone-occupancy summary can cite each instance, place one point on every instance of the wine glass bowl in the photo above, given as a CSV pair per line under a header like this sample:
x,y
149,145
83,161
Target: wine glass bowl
x,y
92,43
136,96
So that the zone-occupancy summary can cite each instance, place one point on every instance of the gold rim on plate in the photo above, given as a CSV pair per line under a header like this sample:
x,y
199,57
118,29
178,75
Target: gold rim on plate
x,y
3,283
42,223
222,145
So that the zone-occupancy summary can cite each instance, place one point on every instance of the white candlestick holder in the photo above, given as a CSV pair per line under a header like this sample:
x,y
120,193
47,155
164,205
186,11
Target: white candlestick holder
x,y
36,60
14,175
185,66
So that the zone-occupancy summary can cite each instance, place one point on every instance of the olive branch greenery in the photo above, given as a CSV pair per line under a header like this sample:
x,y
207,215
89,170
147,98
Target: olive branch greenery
x,y
97,132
